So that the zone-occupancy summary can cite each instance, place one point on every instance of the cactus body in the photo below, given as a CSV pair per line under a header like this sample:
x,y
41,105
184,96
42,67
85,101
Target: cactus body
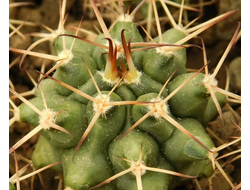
x,y
156,62
156,139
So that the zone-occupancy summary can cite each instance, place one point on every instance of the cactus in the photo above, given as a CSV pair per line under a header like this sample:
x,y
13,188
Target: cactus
x,y
117,112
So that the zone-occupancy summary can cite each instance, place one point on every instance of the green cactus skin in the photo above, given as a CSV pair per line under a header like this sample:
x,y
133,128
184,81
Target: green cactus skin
x,y
92,156
78,44
194,98
45,153
102,153
108,126
90,89
129,147
12,187
99,55
74,73
191,100
165,63
89,168
136,140
159,128
147,85
72,119
132,31
185,154
211,110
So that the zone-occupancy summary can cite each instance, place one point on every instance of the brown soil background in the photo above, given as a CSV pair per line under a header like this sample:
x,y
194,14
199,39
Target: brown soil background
x,y
216,40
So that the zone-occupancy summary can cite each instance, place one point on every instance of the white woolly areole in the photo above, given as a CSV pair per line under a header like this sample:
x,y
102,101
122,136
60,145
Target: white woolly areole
x,y
125,18
65,56
47,118
109,81
165,50
134,81
138,168
209,81
158,108
100,105
68,188
56,33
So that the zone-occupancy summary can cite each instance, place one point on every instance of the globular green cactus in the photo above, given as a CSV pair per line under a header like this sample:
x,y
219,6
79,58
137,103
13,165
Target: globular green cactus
x,y
119,117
